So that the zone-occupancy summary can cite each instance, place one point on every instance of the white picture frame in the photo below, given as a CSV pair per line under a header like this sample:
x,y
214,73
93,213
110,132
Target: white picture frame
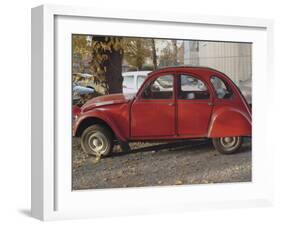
x,y
52,197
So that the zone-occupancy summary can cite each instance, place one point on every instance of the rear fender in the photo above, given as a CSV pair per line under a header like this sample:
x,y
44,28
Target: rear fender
x,y
229,122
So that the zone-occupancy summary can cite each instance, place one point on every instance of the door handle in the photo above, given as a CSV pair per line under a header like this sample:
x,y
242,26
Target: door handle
x,y
210,104
171,104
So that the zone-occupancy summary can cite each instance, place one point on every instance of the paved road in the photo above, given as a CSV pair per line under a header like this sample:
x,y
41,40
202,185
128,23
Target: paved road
x,y
176,163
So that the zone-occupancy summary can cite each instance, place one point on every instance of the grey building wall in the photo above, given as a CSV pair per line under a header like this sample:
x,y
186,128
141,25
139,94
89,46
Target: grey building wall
x,y
233,59
191,53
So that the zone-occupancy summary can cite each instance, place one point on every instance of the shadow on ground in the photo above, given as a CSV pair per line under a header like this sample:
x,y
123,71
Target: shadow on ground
x,y
187,145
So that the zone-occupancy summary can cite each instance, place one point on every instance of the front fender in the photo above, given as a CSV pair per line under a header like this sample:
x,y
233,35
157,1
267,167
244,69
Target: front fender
x,y
98,116
229,122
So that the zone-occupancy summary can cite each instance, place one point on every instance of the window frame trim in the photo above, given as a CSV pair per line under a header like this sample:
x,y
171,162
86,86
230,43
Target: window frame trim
x,y
209,88
227,85
150,80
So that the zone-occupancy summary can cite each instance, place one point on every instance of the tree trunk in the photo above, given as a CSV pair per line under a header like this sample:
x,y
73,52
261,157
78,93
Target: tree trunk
x,y
113,72
139,60
112,66
154,57
175,52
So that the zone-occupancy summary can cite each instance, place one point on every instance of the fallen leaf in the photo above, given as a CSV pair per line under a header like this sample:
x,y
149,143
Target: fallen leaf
x,y
178,182
96,160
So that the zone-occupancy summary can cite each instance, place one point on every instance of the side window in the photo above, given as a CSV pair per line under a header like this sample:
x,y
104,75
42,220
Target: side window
x,y
223,90
128,82
160,88
192,88
140,80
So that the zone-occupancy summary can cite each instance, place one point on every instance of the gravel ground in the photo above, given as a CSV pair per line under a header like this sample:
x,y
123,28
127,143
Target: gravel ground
x,y
154,164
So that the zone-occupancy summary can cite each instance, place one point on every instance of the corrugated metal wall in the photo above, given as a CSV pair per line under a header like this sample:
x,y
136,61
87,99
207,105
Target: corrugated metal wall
x,y
234,59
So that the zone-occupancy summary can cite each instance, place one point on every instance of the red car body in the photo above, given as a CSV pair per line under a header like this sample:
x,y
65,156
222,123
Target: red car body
x,y
133,118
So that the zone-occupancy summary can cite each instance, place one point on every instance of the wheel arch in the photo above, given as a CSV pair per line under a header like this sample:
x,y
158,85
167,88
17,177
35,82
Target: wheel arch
x,y
86,122
229,122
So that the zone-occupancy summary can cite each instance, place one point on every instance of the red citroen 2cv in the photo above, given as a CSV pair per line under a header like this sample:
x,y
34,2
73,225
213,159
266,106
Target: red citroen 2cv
x,y
173,103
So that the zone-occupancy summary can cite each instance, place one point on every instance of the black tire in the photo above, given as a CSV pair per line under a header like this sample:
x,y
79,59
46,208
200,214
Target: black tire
x,y
227,145
97,140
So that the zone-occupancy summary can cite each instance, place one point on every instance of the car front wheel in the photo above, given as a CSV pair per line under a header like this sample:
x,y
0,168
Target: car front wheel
x,y
97,140
227,145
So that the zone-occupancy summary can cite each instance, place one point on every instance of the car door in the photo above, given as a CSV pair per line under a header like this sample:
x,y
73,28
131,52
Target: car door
x,y
194,106
153,111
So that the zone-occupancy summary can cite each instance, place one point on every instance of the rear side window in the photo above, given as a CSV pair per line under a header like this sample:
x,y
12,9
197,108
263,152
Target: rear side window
x,y
222,89
192,88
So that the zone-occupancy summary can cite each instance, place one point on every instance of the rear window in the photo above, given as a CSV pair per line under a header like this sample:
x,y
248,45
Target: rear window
x,y
222,89
128,81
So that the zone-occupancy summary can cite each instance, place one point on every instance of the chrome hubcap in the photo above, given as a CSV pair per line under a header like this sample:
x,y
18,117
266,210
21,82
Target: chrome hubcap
x,y
229,142
97,143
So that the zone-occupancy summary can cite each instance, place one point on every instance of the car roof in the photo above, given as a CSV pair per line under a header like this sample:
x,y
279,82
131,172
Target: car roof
x,y
184,68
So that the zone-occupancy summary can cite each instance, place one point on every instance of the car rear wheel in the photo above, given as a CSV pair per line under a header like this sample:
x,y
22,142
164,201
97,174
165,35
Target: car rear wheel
x,y
227,145
97,140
